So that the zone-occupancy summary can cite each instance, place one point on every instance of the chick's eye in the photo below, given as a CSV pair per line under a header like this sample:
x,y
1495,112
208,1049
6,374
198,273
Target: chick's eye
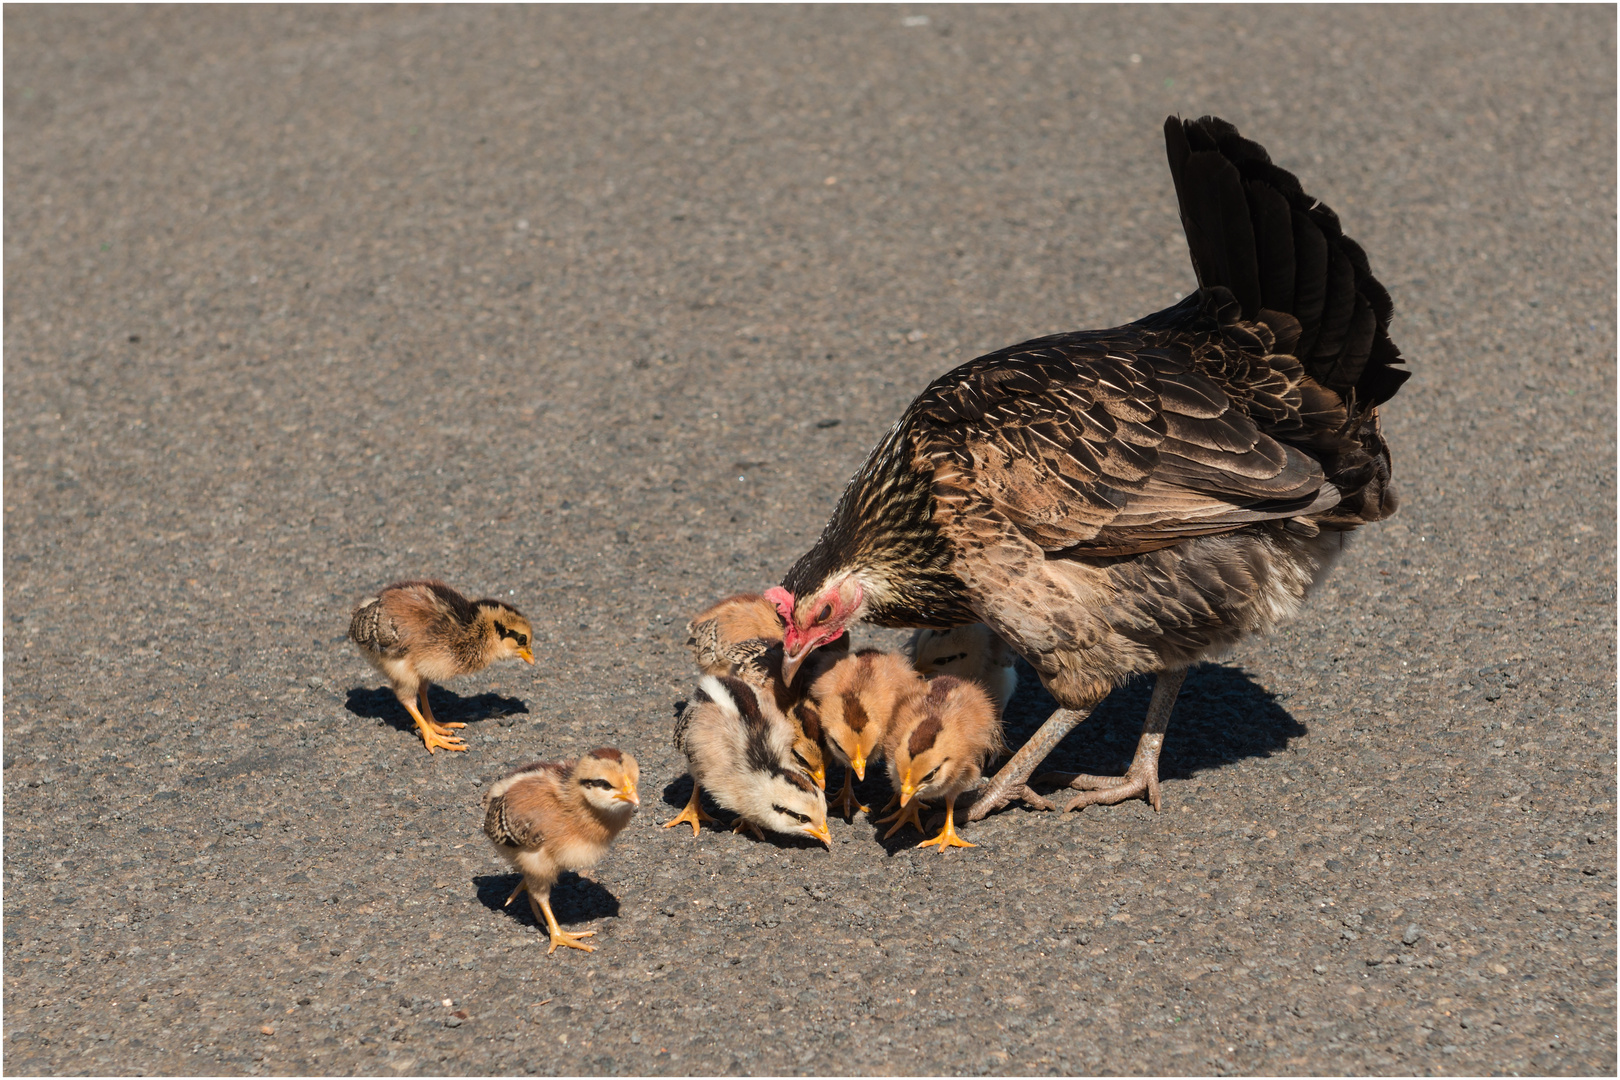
x,y
522,639
597,782
932,773
802,819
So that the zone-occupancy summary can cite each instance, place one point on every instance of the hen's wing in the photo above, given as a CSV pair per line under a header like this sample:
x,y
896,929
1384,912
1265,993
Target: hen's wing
x,y
1121,441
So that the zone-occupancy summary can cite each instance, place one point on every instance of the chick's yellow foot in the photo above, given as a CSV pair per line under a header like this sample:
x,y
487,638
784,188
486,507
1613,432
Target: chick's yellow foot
x,y
906,815
744,825
947,836
563,937
692,814
559,936
435,739
845,801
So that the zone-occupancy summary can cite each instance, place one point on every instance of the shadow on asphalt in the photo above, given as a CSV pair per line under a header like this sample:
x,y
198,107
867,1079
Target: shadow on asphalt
x,y
573,899
379,703
1221,716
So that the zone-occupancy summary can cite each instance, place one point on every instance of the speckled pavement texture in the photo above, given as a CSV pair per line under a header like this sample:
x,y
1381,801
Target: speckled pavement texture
x,y
597,308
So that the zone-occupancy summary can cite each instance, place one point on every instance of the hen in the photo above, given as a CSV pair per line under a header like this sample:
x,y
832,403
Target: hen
x,y
1131,500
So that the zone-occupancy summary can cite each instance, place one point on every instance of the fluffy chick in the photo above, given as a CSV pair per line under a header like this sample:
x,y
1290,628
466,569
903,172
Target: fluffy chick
x,y
422,632
740,748
560,815
936,749
759,664
713,635
853,701
969,652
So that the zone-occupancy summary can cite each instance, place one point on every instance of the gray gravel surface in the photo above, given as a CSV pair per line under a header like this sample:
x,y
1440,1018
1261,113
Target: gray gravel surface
x,y
597,308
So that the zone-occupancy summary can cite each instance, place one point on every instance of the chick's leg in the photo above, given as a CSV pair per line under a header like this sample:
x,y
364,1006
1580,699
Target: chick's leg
x,y
434,737
559,936
744,825
427,711
947,836
692,814
906,815
845,800
1142,778
1012,782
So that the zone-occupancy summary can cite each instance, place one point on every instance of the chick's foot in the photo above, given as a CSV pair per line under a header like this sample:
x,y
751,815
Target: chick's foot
x,y
906,815
559,936
845,801
947,836
692,814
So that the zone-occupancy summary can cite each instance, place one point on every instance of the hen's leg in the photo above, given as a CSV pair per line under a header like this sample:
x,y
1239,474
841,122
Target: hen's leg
x,y
434,737
1142,778
1012,782
559,936
693,813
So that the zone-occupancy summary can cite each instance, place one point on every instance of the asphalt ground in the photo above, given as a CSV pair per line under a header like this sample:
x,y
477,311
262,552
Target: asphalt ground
x,y
596,309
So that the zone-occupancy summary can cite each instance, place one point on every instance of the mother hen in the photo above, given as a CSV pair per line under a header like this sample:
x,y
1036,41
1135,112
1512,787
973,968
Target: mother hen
x,y
1132,500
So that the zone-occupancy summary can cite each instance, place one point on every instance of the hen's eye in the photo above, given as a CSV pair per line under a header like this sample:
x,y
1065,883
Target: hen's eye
x,y
802,819
824,614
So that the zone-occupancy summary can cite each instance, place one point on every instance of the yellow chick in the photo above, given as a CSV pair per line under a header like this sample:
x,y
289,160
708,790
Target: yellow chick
x,y
560,815
853,701
936,749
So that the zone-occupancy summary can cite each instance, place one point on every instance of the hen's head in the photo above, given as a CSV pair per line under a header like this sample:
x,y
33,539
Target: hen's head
x,y
817,618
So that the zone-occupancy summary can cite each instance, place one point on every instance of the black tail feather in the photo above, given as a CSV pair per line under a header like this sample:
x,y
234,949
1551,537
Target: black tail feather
x,y
1252,229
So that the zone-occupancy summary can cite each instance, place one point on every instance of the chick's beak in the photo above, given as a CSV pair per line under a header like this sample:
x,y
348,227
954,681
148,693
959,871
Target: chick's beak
x,y
821,832
907,788
820,777
528,657
628,794
858,763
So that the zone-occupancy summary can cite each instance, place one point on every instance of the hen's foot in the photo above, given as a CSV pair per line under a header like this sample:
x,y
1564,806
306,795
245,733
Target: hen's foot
x,y
1012,781
1141,780
692,814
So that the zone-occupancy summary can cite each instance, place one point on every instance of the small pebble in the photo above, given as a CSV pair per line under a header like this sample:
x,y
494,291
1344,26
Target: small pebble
x,y
1411,936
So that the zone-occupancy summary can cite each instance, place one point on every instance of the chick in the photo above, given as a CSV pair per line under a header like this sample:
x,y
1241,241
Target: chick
x,y
714,634
937,748
739,748
853,701
560,815
758,663
421,632
969,652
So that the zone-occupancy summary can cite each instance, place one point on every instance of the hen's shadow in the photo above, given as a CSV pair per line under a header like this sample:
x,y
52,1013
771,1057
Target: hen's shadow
x,y
448,707
573,899
1222,715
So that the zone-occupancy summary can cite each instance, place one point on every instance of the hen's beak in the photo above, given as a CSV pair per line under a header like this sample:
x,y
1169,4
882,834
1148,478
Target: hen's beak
x,y
821,832
528,657
791,662
628,794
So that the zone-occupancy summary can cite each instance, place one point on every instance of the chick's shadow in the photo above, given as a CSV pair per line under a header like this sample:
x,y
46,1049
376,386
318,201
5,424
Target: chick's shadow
x,y
379,703
573,899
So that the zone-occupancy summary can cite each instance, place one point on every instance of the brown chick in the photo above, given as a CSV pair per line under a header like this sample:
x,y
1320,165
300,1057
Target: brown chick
x,y
936,749
853,701
759,664
971,652
560,815
421,632
715,634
